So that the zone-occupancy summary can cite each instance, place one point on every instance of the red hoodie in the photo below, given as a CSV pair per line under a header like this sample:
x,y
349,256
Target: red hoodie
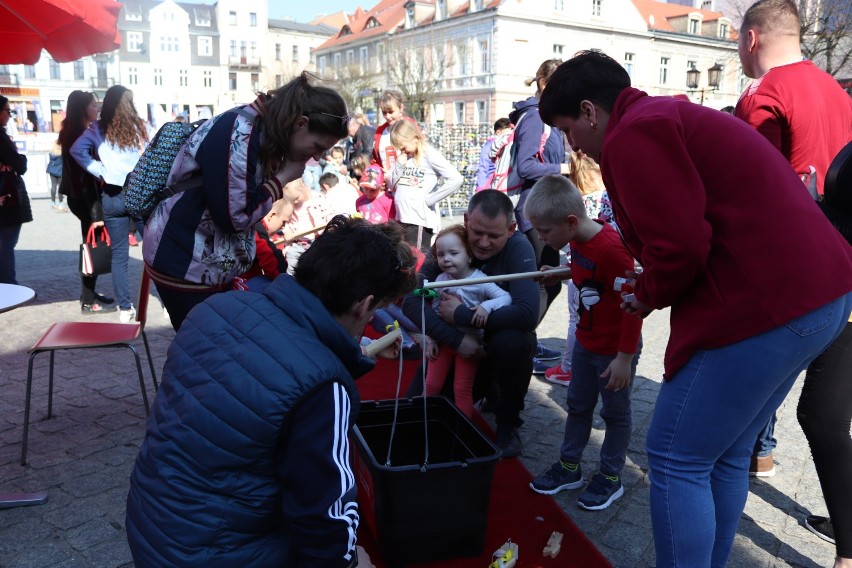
x,y
724,228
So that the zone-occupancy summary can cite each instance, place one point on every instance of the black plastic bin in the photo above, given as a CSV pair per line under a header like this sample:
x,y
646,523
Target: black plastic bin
x,y
423,513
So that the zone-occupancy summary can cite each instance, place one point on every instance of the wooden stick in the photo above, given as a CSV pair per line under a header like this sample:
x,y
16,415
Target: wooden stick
x,y
497,278
382,342
301,234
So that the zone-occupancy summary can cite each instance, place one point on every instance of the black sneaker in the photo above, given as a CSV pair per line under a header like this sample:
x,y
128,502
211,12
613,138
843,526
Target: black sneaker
x,y
104,299
601,492
508,441
540,366
542,353
559,477
820,526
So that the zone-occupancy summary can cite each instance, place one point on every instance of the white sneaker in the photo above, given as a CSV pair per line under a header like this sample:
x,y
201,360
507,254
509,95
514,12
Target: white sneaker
x,y
127,316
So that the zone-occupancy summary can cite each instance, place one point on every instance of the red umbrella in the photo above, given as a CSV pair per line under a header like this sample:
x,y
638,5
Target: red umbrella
x,y
67,29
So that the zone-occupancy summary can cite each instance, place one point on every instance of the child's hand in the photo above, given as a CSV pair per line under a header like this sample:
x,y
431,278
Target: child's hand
x,y
431,349
480,317
618,372
553,279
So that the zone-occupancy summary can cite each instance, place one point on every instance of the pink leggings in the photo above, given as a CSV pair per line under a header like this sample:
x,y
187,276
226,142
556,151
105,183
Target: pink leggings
x,y
465,373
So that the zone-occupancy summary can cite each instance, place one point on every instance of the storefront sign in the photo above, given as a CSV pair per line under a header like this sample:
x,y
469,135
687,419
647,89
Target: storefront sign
x,y
19,92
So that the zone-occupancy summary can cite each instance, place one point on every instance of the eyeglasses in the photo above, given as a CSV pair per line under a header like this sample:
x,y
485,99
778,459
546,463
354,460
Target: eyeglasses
x,y
344,120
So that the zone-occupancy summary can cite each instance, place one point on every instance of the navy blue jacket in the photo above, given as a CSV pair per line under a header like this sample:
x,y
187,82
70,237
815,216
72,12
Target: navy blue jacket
x,y
245,460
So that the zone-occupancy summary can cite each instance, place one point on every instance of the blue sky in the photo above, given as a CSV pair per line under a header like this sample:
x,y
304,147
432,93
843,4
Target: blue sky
x,y
305,11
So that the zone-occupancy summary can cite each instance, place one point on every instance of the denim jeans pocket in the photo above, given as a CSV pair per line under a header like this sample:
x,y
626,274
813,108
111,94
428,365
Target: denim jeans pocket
x,y
814,321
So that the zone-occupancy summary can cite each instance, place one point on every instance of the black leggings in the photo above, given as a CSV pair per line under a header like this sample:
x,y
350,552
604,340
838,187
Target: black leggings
x,y
825,414
82,211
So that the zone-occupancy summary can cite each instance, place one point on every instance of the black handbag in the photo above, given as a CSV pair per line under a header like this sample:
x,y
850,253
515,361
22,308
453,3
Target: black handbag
x,y
95,253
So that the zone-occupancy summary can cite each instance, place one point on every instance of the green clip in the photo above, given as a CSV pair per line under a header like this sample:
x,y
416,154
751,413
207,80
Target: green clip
x,y
427,293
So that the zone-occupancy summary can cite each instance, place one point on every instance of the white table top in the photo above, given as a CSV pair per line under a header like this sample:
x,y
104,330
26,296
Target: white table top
x,y
13,295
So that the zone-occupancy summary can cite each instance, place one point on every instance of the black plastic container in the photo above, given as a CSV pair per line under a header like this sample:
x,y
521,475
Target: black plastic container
x,y
423,513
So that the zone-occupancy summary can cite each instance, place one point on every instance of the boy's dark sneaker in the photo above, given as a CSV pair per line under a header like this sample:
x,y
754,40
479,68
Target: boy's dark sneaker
x,y
820,526
601,492
540,366
542,353
559,477
508,441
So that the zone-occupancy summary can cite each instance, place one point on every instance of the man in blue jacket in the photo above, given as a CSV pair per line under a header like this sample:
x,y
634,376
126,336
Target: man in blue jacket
x,y
245,460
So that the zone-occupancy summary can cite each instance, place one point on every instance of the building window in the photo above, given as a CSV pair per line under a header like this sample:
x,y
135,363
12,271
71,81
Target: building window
x,y
321,64
477,5
232,81
133,13
337,59
409,17
233,52
232,18
707,5
253,19
205,45
461,57
559,5
202,17
693,26
558,49
208,78
183,77
255,81
596,7
628,63
481,114
168,44
484,57
79,71
134,41
459,108
277,81
664,70
29,72
296,53
132,76
158,77
253,49
350,57
363,57
723,31
243,49
380,57
277,52
54,69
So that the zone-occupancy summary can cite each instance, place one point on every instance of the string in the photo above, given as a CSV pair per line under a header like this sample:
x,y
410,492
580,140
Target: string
x,y
390,328
425,412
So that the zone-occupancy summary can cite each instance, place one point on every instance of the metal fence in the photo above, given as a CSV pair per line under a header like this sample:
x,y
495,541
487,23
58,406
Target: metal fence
x,y
460,144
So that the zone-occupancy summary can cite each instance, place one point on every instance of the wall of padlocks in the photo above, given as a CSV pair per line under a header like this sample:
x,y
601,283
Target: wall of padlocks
x,y
460,144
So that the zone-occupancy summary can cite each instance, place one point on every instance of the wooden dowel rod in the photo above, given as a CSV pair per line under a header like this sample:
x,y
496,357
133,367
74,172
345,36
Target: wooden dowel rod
x,y
382,342
497,278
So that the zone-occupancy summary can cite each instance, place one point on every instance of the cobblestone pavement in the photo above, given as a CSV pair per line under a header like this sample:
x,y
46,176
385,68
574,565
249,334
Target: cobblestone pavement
x,y
83,456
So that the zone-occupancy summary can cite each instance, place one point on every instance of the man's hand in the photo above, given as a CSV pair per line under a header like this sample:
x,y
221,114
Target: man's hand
x,y
470,347
97,223
431,349
553,279
618,372
448,305
480,317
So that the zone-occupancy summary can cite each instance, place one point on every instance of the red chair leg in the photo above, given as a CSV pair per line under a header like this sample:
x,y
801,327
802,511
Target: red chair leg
x,y
27,408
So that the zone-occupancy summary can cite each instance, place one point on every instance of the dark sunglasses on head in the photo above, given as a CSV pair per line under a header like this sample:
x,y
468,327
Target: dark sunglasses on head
x,y
344,120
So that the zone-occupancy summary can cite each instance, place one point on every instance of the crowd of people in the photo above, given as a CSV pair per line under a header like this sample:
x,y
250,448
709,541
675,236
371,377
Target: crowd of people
x,y
307,223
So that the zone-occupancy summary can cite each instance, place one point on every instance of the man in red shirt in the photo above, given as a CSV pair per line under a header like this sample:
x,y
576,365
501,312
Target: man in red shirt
x,y
799,108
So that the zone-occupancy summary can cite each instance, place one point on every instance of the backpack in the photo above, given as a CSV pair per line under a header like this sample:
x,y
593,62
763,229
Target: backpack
x,y
505,178
146,184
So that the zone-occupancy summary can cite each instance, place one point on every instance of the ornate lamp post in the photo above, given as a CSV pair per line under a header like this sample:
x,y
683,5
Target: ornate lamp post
x,y
714,77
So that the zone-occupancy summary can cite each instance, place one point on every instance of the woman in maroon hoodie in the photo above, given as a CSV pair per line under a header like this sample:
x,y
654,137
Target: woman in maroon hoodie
x,y
757,279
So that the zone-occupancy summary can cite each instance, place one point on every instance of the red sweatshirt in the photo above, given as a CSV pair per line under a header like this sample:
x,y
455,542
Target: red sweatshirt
x,y
604,328
720,222
802,111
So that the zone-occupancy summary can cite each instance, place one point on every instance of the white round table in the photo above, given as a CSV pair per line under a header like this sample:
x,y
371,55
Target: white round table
x,y
11,297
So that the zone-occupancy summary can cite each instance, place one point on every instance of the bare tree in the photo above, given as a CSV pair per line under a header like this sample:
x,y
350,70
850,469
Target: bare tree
x,y
353,84
416,67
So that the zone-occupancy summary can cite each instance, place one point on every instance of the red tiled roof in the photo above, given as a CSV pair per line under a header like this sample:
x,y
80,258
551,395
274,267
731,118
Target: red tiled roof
x,y
389,14
662,11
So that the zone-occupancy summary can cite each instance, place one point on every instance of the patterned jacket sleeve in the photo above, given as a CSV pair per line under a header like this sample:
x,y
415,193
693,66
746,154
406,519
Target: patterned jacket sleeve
x,y
318,486
228,156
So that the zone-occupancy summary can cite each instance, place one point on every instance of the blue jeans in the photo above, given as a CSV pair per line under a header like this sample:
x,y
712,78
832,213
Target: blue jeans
x,y
583,391
766,441
8,242
704,426
117,225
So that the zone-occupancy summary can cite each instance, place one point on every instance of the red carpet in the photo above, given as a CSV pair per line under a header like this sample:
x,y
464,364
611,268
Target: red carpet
x,y
516,512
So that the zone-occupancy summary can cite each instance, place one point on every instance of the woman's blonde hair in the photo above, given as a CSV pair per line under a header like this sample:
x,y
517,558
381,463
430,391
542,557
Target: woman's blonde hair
x,y
323,107
405,131
585,173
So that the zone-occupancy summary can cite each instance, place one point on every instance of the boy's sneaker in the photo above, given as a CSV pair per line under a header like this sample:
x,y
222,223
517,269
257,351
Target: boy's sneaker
x,y
601,492
128,315
557,376
559,477
820,526
540,367
542,353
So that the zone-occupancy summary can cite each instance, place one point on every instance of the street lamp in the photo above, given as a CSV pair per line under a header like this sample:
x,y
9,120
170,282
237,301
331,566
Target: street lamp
x,y
714,76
